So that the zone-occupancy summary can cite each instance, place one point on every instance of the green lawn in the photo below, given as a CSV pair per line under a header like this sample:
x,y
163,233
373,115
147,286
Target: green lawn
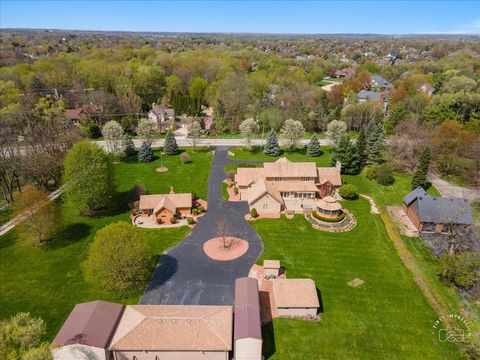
x,y
48,281
292,155
183,177
386,318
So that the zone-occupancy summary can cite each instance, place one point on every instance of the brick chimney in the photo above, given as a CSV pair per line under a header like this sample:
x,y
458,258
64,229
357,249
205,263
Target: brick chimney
x,y
382,98
171,190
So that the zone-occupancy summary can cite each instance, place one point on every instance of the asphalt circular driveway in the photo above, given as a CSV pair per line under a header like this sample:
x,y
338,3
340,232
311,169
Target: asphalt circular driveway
x,y
185,274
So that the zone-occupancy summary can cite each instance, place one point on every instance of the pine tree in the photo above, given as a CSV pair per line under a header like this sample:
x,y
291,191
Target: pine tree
x,y
313,147
361,145
271,147
420,176
346,153
145,154
170,146
129,147
374,143
38,86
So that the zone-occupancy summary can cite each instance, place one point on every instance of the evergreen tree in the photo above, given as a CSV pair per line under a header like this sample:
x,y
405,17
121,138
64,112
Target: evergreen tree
x,y
129,146
170,146
361,145
346,153
38,86
145,154
271,147
313,147
374,143
420,176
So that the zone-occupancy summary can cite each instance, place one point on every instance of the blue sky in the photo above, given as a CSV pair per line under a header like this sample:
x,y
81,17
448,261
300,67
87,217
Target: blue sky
x,y
380,17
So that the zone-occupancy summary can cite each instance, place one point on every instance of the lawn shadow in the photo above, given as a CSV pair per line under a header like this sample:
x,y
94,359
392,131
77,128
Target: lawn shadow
x,y
7,240
119,205
166,267
320,302
70,234
268,334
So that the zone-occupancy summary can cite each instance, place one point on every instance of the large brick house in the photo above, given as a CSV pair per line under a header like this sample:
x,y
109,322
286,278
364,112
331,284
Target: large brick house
x,y
286,185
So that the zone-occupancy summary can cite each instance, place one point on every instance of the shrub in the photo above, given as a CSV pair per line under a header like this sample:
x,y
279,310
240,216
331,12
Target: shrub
x,y
119,259
348,191
93,130
194,211
253,213
173,220
201,209
384,175
134,194
235,190
461,269
339,218
190,221
185,158
371,171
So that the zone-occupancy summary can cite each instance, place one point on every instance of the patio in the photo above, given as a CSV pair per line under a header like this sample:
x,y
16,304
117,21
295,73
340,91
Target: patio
x,y
149,222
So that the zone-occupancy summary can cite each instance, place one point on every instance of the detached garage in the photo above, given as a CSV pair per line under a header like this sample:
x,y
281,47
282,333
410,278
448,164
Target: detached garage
x,y
86,333
295,297
247,329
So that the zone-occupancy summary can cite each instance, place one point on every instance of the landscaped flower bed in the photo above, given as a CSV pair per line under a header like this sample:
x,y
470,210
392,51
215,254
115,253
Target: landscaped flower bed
x,y
339,218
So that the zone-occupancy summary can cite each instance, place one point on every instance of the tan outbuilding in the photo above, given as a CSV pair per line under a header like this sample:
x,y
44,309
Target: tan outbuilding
x,y
295,297
174,332
271,268
247,328
166,206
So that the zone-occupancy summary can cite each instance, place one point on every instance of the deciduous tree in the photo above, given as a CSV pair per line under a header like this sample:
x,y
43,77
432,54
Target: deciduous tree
x,y
248,128
119,259
293,131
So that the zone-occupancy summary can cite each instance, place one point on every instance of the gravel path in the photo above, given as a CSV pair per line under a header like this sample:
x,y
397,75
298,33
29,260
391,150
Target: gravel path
x,y
449,190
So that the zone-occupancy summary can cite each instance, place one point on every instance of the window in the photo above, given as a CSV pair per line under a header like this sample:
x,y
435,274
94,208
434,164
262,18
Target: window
x,y
265,206
277,179
305,178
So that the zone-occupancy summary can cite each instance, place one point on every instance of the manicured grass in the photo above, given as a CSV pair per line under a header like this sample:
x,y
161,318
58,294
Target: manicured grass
x,y
224,191
385,195
385,318
292,155
48,281
183,177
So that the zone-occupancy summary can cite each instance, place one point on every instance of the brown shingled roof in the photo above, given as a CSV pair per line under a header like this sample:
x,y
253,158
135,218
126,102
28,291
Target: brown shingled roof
x,y
174,328
290,169
91,323
169,201
330,174
247,309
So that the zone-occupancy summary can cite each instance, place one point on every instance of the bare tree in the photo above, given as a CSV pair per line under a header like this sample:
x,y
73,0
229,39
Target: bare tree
x,y
222,230
194,133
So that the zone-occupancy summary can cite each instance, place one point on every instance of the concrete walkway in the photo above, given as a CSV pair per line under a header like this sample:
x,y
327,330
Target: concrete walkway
x,y
449,190
185,274
5,228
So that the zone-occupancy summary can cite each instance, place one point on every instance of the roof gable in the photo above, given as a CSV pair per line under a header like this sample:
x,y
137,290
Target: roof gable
x,y
413,195
91,323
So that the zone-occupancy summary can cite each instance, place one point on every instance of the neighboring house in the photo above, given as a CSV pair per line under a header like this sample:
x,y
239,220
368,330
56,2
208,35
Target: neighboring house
x,y
295,297
438,215
379,83
247,333
427,89
87,331
163,115
88,110
172,332
271,268
286,185
164,207
346,72
365,95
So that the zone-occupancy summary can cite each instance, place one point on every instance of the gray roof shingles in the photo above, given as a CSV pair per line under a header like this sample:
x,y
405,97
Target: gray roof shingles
x,y
411,196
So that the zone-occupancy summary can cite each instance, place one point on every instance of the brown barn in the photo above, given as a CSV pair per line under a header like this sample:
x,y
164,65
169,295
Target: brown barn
x,y
436,214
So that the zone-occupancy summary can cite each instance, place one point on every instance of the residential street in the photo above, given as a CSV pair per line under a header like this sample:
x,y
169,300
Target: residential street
x,y
185,275
182,141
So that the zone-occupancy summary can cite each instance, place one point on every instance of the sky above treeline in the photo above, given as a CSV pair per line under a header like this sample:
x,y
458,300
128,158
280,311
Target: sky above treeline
x,y
293,17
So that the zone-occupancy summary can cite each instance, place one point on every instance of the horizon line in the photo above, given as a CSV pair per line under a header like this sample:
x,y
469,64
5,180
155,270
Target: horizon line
x,y
246,33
